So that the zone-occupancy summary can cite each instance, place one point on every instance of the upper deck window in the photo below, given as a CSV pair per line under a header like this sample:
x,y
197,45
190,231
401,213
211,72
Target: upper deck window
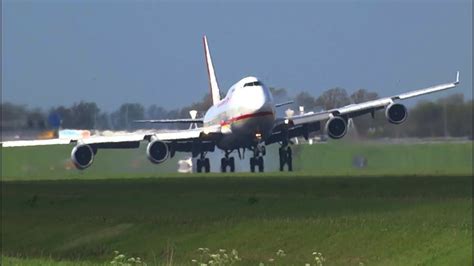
x,y
256,83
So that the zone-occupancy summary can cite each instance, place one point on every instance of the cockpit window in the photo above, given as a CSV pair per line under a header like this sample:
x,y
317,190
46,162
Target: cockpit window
x,y
256,83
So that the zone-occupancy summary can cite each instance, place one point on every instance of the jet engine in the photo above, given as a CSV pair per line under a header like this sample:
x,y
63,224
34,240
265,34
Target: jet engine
x,y
336,127
396,113
157,151
82,156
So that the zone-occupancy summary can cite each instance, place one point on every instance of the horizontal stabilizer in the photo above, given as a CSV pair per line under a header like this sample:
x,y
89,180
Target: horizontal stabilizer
x,y
170,121
283,104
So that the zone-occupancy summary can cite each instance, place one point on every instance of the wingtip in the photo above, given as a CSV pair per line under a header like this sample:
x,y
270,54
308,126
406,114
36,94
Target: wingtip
x,y
457,78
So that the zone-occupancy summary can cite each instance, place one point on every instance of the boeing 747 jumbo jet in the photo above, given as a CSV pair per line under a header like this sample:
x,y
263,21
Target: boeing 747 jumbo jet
x,y
243,120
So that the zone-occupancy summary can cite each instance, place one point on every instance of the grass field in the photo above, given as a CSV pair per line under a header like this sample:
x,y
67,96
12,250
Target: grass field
x,y
386,159
403,209
330,159
383,221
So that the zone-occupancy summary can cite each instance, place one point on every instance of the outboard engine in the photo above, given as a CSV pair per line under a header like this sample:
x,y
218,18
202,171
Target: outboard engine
x,y
396,113
82,156
336,127
157,151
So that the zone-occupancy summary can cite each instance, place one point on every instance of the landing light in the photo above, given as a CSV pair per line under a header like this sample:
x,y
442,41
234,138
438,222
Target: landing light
x,y
258,135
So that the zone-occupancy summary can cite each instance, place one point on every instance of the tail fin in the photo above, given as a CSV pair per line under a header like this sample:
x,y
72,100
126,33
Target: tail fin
x,y
214,87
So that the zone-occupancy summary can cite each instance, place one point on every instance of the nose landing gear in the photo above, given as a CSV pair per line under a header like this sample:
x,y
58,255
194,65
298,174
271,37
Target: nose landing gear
x,y
257,159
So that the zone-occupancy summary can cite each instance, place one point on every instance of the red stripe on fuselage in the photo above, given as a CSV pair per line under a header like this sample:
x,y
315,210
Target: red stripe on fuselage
x,y
246,116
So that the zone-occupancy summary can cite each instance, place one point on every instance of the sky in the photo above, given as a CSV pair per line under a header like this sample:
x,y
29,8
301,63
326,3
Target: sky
x,y
150,52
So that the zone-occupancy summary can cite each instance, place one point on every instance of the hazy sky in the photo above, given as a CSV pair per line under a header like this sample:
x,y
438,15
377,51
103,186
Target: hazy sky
x,y
111,52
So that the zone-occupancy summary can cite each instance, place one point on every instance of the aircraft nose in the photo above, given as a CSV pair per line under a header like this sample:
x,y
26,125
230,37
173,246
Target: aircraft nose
x,y
255,98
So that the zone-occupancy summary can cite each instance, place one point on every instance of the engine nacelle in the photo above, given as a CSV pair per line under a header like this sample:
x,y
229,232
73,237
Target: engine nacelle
x,y
336,127
157,151
82,156
396,113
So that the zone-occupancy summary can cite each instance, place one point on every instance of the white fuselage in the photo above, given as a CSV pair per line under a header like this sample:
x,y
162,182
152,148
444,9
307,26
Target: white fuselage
x,y
247,114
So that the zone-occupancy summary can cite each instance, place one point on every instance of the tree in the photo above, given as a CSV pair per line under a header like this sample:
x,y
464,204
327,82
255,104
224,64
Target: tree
x,y
102,121
457,115
333,98
13,116
279,95
36,119
426,120
82,115
201,107
66,116
126,114
156,112
85,114
362,95
364,123
305,99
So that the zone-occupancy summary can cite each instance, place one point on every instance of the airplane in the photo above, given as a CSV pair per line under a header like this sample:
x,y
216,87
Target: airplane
x,y
245,119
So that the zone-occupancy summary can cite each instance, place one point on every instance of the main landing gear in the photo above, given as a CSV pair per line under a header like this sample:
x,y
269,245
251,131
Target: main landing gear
x,y
227,161
286,157
257,159
203,162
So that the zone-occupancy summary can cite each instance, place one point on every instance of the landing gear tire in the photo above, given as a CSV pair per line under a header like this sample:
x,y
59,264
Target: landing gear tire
x,y
282,156
203,163
198,165
289,159
207,165
286,157
227,162
260,164
256,162
223,165
232,164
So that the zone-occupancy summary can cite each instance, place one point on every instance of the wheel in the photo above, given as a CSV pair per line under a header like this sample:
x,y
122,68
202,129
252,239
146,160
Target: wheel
x,y
260,164
223,165
282,154
232,164
252,164
290,164
198,165
207,165
289,159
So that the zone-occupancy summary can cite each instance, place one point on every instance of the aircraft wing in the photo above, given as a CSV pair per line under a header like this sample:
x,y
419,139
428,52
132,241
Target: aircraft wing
x,y
170,121
131,140
354,110
39,142
299,125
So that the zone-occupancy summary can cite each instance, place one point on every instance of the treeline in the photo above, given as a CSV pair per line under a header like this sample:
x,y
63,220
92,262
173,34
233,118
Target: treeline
x,y
449,116
87,115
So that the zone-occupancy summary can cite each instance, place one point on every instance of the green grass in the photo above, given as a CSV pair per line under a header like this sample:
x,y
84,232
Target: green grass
x,y
330,159
53,162
12,261
412,205
374,220
386,159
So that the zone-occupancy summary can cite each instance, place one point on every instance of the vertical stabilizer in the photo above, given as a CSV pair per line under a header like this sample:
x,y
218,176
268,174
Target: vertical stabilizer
x,y
214,87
